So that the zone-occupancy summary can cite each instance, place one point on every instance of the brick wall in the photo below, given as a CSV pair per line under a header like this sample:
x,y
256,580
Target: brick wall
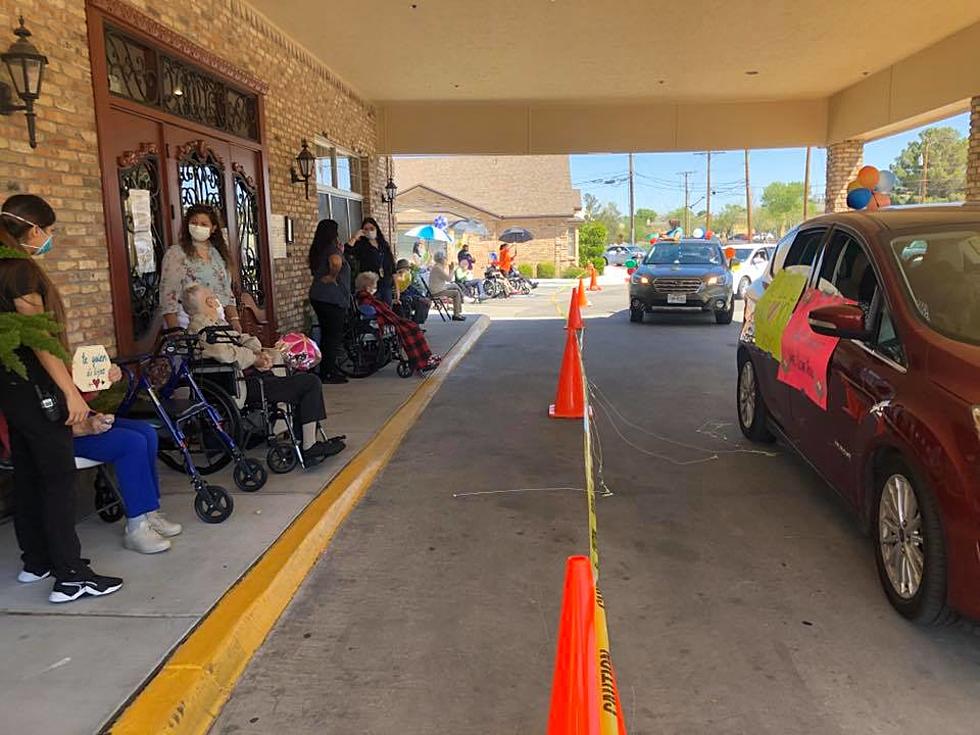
x,y
304,99
973,156
844,159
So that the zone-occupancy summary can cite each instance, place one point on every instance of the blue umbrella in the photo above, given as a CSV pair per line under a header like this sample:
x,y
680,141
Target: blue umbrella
x,y
428,232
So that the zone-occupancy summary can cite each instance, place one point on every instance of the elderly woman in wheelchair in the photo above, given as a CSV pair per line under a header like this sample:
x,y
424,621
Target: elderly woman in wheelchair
x,y
301,391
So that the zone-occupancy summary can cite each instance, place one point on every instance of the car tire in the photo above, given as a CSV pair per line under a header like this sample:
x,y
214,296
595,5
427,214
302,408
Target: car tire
x,y
636,315
907,530
725,317
605,260
743,286
753,416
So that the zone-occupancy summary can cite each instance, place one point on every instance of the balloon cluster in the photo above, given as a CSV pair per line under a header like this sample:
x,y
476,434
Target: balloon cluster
x,y
700,233
440,222
871,189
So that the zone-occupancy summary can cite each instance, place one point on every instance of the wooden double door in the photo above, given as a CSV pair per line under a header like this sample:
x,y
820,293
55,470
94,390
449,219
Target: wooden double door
x,y
153,172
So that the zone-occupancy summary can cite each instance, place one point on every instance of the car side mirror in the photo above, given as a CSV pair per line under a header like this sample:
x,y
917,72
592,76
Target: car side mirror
x,y
840,320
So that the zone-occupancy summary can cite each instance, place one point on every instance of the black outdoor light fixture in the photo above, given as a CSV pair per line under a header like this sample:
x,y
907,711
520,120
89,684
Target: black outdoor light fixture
x,y
391,191
306,160
26,68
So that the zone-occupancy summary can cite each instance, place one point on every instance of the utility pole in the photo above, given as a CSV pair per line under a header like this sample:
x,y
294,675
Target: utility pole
x,y
632,205
687,200
806,185
748,198
707,196
924,183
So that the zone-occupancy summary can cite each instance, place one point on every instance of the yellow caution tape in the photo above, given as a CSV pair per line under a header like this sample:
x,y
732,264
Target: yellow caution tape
x,y
589,482
608,695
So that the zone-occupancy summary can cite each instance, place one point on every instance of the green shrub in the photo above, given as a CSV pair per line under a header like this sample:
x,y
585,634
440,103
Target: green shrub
x,y
546,270
600,264
573,271
591,241
526,270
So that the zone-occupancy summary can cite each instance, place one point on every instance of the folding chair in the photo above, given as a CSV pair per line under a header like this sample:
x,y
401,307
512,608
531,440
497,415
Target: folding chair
x,y
439,303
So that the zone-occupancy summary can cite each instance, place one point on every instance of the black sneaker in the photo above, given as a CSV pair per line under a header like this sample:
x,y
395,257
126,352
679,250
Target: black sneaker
x,y
29,576
337,379
83,583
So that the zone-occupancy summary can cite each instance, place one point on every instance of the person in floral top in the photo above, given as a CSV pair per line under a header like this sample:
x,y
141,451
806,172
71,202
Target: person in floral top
x,y
200,257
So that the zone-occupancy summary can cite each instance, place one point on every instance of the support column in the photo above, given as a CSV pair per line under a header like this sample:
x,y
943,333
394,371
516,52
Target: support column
x,y
973,155
844,160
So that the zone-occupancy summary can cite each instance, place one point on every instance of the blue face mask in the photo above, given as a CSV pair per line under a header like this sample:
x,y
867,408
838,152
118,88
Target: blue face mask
x,y
46,247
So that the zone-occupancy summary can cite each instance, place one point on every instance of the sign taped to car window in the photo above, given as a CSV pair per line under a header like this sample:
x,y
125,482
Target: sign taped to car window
x,y
775,309
805,354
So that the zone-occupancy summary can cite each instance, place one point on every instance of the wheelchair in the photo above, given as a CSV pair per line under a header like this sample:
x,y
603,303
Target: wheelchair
x,y
368,347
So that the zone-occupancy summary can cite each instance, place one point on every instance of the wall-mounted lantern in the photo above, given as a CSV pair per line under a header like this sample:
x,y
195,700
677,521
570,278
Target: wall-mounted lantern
x,y
306,160
391,191
26,68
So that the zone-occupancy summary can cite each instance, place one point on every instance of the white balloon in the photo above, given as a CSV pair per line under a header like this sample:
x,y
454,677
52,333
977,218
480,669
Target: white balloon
x,y
698,232
886,182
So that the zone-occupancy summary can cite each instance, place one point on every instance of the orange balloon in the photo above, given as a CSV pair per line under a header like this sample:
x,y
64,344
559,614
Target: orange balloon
x,y
868,176
854,185
878,200
729,253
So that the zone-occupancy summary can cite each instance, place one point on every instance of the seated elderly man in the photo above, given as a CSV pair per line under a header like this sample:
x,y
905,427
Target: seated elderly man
x,y
301,390
442,285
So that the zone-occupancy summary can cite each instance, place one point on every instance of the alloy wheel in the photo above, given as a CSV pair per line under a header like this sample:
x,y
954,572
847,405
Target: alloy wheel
x,y
900,536
746,394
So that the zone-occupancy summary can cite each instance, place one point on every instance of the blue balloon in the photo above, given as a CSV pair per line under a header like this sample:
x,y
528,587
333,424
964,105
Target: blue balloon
x,y
858,198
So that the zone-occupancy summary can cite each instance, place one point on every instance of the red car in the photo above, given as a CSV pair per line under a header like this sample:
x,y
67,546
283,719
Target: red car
x,y
890,415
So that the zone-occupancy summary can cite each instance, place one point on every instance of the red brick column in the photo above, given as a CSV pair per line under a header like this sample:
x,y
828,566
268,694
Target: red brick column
x,y
844,160
973,155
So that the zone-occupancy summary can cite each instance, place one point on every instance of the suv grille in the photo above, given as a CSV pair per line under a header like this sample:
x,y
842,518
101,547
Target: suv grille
x,y
677,285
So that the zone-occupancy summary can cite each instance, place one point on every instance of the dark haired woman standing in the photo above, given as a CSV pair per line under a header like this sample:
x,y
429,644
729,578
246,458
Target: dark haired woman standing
x,y
40,412
201,257
371,252
329,295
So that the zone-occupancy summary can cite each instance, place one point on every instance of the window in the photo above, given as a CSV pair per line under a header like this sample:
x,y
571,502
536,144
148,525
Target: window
x,y
854,277
887,342
338,183
803,251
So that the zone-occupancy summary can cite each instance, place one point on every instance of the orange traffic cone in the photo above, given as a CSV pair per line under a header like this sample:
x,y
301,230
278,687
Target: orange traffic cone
x,y
574,313
583,300
569,401
574,689
593,282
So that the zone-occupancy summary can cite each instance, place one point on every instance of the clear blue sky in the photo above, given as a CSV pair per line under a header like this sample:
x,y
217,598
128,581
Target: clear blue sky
x,y
658,185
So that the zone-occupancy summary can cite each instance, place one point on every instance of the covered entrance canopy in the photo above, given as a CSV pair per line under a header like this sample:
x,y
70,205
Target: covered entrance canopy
x,y
567,76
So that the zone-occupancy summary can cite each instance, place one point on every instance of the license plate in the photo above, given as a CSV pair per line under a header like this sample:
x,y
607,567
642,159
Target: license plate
x,y
677,298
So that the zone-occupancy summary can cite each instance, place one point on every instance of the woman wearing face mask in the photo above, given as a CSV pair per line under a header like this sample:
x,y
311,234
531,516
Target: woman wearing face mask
x,y
40,412
201,257
372,254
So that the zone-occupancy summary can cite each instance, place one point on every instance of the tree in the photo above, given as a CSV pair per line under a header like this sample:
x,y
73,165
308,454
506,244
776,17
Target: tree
x,y
591,206
782,206
945,179
729,220
612,220
591,241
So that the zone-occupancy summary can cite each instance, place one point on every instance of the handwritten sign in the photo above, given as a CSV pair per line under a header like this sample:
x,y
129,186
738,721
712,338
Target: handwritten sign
x,y
90,368
774,310
806,354
279,235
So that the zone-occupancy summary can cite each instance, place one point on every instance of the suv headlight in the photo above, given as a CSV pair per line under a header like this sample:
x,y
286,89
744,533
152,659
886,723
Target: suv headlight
x,y
714,280
640,279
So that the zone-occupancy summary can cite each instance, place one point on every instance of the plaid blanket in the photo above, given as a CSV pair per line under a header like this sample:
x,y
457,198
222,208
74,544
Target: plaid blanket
x,y
409,333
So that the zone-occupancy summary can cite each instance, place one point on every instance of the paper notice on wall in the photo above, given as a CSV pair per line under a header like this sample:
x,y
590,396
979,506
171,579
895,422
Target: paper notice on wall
x,y
90,368
139,211
143,247
277,236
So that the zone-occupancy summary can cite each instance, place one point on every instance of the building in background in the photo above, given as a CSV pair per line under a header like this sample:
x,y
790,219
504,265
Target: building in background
x,y
533,192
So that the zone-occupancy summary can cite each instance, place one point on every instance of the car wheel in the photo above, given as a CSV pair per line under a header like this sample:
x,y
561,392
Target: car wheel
x,y
636,315
752,412
909,546
743,286
725,317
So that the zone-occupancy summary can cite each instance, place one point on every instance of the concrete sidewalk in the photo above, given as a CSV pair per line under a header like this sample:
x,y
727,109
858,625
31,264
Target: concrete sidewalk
x,y
91,656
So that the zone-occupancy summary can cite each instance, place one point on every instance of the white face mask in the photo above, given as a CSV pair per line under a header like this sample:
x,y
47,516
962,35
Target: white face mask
x,y
371,234
199,233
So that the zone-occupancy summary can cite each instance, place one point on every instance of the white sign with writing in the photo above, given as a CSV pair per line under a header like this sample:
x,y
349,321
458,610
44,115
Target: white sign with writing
x,y
140,218
277,236
90,368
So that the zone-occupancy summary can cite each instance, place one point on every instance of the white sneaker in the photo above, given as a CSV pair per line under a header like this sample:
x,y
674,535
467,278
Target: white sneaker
x,y
145,540
159,523
27,577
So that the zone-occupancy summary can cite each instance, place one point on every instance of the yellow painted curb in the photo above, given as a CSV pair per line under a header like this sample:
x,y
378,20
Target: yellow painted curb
x,y
185,696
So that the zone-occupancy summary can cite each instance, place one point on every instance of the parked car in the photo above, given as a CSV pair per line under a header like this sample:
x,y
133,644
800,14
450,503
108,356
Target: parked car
x,y
619,254
899,436
685,275
749,264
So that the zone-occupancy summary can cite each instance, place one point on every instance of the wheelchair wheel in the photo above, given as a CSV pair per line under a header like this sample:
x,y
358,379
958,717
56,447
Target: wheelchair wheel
x,y
208,451
281,458
364,354
405,369
213,504
250,476
107,502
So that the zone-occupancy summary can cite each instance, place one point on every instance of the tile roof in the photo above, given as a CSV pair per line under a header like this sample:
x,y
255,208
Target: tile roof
x,y
507,186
